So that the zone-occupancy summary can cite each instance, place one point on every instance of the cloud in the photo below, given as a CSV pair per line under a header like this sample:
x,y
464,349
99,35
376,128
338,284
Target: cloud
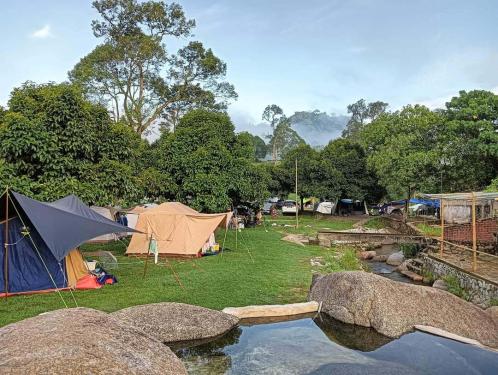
x,y
42,33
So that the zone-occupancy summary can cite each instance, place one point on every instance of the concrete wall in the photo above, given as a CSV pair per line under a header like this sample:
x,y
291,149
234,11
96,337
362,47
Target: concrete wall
x,y
480,291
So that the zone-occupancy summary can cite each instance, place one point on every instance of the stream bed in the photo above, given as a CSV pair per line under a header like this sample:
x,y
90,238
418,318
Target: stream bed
x,y
319,344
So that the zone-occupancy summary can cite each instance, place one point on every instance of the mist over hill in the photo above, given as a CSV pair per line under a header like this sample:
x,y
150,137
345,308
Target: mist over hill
x,y
315,127
318,128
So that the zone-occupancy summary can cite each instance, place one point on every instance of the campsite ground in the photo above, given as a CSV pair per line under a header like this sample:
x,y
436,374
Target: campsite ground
x,y
259,269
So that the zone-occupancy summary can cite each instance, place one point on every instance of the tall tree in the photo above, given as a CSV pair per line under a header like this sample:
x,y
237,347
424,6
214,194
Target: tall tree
x,y
469,146
402,149
362,113
211,166
133,73
274,115
284,139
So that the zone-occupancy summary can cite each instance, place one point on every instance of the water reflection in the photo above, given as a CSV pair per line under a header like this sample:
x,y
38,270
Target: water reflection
x,y
321,345
351,336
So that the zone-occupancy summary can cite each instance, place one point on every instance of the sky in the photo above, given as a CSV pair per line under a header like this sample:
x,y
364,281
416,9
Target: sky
x,y
301,55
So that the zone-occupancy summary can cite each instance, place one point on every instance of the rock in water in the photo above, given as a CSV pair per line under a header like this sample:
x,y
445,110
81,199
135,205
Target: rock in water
x,y
369,254
393,308
171,322
395,259
440,284
82,341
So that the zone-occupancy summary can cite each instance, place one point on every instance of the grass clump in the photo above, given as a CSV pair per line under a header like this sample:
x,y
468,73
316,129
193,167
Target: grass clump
x,y
428,276
493,302
376,223
429,230
455,288
342,260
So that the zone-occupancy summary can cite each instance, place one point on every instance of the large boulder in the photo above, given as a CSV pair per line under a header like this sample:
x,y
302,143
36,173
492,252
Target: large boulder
x,y
171,322
395,259
393,308
82,341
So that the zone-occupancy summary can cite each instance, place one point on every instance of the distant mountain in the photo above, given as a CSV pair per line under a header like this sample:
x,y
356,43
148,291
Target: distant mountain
x,y
318,128
315,127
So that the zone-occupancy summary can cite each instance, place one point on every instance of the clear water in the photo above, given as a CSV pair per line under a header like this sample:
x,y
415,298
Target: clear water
x,y
321,345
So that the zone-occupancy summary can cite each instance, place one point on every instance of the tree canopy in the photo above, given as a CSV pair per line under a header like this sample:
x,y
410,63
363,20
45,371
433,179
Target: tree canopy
x,y
133,73
53,142
211,165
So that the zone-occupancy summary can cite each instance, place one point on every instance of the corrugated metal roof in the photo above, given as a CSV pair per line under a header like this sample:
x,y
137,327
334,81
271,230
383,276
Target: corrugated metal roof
x,y
479,195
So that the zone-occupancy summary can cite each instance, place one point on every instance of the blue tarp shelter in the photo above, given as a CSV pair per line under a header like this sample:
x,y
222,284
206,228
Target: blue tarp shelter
x,y
37,236
427,202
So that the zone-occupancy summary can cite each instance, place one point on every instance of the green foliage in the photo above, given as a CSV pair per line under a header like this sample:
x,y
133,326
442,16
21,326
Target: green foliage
x,y
493,302
429,230
134,75
343,260
455,288
410,250
210,166
361,113
375,223
401,149
53,143
428,276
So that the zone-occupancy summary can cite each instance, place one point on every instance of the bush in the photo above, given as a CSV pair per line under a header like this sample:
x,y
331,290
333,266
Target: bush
x,y
342,261
410,250
455,288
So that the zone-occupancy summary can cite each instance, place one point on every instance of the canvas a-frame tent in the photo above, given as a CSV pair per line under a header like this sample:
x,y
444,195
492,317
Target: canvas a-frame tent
x,y
40,241
178,230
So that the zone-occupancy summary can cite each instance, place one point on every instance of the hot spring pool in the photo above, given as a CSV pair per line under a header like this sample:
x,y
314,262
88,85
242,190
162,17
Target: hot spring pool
x,y
321,345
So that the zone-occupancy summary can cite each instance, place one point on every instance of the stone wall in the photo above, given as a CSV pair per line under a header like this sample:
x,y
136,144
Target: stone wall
x,y
481,291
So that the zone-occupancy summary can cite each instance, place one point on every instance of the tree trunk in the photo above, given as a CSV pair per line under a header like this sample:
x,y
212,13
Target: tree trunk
x,y
302,203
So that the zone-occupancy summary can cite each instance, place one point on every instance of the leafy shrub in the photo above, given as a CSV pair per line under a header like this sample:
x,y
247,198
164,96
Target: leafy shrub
x,y
428,276
375,223
410,250
429,230
455,288
342,261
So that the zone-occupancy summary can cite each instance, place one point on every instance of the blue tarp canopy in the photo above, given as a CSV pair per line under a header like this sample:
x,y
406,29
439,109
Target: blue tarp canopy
x,y
427,202
62,225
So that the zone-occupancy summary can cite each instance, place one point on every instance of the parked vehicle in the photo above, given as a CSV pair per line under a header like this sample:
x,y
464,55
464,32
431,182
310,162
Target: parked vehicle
x,y
289,207
267,208
280,203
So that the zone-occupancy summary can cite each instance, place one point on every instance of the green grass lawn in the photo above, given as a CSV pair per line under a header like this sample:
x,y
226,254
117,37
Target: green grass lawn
x,y
261,269
309,224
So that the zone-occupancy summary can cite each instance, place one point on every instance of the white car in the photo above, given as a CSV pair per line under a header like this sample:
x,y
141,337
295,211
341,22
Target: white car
x,y
289,207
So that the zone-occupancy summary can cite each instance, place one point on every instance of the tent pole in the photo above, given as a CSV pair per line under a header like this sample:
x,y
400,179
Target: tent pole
x,y
6,245
147,258
474,234
441,213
